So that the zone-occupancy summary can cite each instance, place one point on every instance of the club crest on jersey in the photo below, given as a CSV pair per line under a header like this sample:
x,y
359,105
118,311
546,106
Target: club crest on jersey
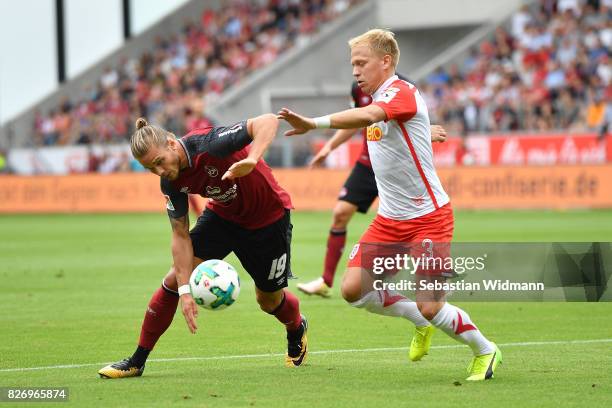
x,y
388,95
374,133
184,189
212,171
169,205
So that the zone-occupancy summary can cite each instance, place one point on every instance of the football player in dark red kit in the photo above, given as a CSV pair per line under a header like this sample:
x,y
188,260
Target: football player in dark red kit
x,y
247,213
357,194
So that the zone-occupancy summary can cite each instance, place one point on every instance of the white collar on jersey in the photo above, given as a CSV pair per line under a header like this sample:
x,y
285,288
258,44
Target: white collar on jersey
x,y
384,86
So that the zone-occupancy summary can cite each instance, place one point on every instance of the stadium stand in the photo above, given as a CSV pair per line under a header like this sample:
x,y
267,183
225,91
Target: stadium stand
x,y
173,83
550,69
546,68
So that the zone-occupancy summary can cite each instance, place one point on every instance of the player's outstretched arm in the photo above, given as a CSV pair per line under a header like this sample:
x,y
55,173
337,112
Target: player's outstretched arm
x,y
438,133
263,130
349,119
182,254
340,137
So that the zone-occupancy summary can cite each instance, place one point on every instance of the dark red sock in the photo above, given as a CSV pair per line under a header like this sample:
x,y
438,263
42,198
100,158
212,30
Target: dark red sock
x,y
335,247
288,312
158,317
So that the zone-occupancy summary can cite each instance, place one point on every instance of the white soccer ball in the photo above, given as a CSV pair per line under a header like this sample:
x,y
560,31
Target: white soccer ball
x,y
214,284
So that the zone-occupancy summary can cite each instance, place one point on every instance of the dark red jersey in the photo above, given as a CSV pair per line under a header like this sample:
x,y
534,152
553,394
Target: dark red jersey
x,y
361,99
252,201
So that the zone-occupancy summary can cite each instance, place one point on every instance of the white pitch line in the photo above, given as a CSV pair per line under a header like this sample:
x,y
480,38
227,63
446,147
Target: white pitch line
x,y
365,350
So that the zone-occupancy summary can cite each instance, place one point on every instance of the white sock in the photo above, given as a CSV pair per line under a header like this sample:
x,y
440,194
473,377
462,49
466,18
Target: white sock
x,y
458,325
389,303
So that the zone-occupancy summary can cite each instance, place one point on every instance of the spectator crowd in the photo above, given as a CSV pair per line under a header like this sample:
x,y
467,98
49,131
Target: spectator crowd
x,y
174,83
549,69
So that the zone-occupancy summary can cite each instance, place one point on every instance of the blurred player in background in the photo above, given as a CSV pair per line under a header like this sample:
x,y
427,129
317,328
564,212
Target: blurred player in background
x,y
195,119
357,194
247,213
414,209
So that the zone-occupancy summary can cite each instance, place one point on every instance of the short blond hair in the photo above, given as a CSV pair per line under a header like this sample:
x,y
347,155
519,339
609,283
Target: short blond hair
x,y
380,41
146,136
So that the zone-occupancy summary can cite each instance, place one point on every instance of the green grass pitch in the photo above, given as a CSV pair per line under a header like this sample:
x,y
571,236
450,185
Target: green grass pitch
x,y
74,290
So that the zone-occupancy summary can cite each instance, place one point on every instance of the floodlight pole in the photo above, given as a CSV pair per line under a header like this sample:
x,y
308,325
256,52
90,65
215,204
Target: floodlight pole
x,y
127,26
61,41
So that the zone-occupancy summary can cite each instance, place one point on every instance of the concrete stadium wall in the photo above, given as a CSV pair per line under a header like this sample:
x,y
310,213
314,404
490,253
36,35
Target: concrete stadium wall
x,y
322,70
320,64
418,46
410,15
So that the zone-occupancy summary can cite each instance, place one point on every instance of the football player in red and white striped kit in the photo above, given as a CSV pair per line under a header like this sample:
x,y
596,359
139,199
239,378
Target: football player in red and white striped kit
x,y
357,194
414,209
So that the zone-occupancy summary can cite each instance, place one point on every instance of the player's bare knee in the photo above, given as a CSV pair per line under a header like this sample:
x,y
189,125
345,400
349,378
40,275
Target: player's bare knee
x,y
341,219
268,302
351,290
429,310
196,261
267,307
352,285
170,280
343,212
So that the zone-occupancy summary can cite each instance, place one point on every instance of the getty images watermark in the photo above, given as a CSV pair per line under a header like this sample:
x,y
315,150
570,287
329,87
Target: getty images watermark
x,y
538,271
450,267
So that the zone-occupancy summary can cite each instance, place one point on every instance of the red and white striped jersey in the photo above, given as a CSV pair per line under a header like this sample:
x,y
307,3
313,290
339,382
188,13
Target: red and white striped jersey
x,y
401,153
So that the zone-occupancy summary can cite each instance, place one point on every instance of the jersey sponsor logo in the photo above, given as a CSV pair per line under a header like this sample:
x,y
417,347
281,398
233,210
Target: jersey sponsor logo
x,y
210,190
184,189
169,205
388,95
214,193
231,130
212,171
374,133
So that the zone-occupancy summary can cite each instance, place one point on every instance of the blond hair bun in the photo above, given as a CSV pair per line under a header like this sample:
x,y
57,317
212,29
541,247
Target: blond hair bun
x,y
141,122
